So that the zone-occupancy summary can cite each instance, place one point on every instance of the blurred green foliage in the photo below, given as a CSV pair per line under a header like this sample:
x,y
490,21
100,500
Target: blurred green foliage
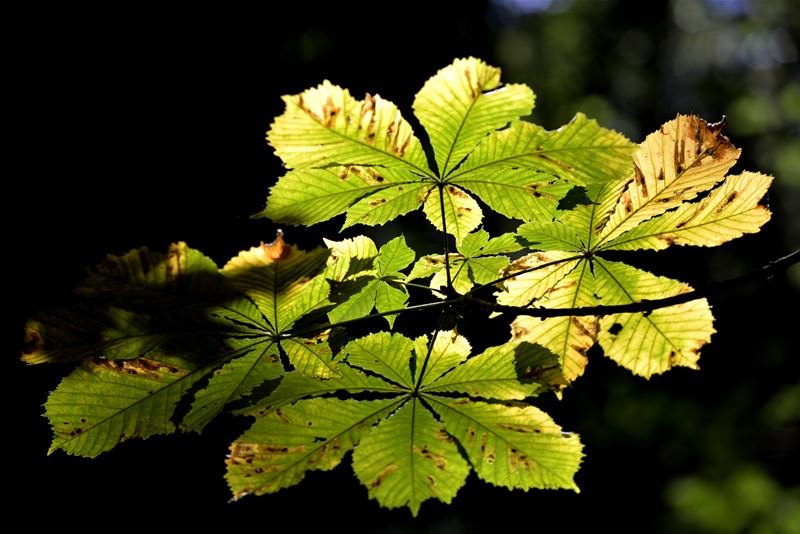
x,y
726,453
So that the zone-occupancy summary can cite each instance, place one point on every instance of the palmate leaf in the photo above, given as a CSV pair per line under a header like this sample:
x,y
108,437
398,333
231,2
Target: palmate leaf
x,y
404,453
650,209
361,157
476,262
189,324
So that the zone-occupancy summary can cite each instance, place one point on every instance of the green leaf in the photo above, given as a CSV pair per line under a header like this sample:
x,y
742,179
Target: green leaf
x,y
510,446
652,343
502,244
517,193
326,126
489,375
728,212
388,355
684,158
461,212
486,269
554,236
472,243
388,298
234,380
580,152
428,265
388,203
311,357
378,287
449,349
408,459
360,301
523,171
278,450
104,402
471,266
350,258
284,282
462,103
295,386
394,256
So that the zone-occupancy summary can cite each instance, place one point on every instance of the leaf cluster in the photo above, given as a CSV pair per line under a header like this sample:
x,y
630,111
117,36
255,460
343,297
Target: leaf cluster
x,y
168,341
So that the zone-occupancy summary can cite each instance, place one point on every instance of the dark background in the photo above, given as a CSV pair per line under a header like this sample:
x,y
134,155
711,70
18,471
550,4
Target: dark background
x,y
145,126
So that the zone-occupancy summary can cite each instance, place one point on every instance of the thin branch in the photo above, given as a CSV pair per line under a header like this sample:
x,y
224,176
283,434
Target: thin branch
x,y
715,288
444,239
523,271
320,328
418,286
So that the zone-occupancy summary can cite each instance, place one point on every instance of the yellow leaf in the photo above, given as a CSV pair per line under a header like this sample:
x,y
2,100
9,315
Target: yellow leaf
x,y
684,158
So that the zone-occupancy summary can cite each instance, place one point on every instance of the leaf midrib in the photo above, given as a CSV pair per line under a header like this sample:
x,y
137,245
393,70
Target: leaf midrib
x,y
424,172
534,153
608,244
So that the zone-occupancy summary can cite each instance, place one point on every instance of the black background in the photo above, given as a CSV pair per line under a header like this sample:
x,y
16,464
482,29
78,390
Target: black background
x,y
146,127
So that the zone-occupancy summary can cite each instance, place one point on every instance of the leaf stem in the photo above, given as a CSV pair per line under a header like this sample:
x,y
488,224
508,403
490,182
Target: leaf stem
x,y
444,240
432,341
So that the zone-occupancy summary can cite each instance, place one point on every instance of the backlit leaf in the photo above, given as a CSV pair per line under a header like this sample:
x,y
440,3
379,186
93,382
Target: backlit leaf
x,y
684,158
728,212
325,125
284,282
652,343
462,103
510,446
409,458
280,447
